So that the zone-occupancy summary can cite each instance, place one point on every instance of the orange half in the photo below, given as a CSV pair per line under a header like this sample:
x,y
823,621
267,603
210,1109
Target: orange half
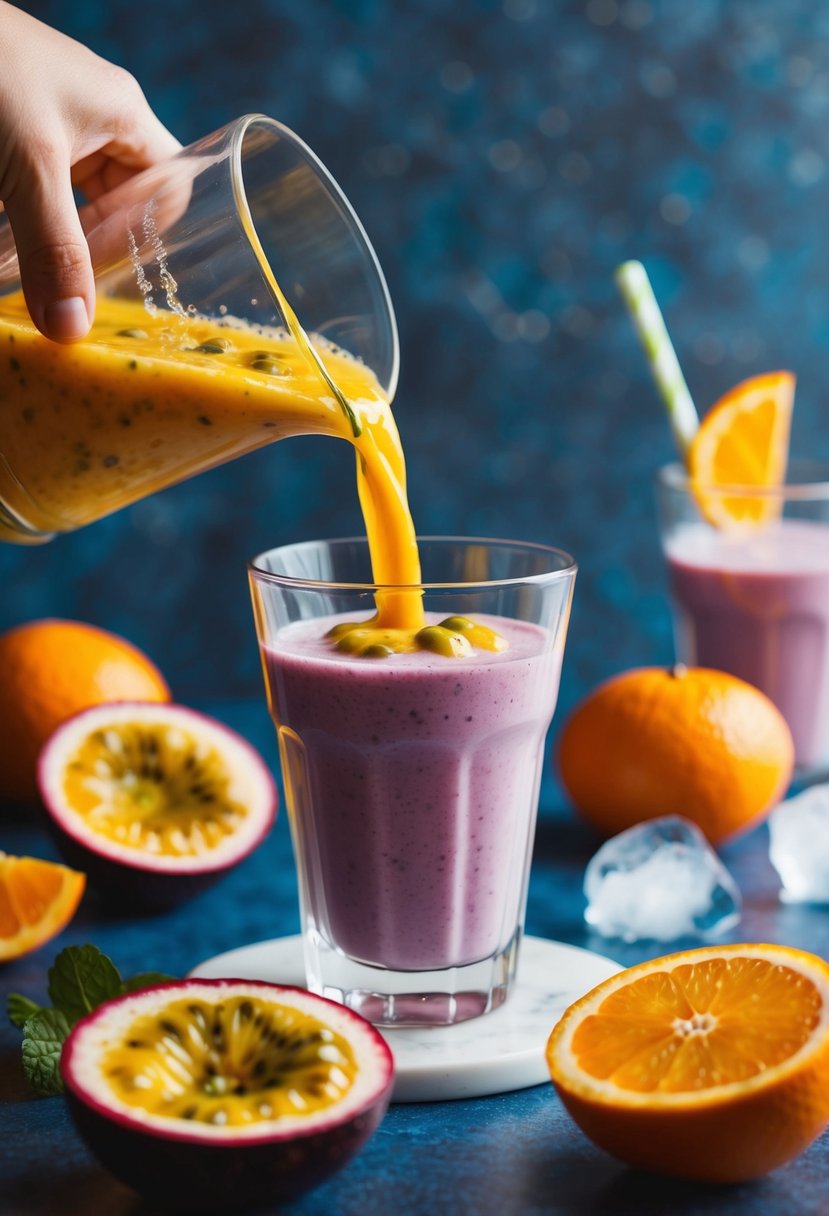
x,y
37,900
710,1064
743,441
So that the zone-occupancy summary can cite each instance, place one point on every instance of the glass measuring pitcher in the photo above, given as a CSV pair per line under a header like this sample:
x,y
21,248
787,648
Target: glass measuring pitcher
x,y
238,301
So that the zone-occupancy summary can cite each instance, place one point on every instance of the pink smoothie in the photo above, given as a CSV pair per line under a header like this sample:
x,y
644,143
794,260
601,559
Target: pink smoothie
x,y
412,785
758,606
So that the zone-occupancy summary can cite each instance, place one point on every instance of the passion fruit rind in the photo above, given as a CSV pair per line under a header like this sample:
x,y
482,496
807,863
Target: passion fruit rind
x,y
153,802
252,1033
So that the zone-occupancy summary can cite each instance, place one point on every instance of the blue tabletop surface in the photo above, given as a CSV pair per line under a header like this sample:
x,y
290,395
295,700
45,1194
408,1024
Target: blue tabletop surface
x,y
509,1155
504,156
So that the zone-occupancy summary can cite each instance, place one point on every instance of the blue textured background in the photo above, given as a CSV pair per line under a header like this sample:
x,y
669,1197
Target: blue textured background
x,y
504,157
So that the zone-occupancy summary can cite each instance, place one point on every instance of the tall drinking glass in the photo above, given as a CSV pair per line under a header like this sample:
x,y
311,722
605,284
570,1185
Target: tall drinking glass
x,y
753,599
244,225
412,780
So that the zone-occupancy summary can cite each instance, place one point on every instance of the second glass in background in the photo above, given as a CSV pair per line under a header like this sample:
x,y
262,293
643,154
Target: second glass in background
x,y
754,600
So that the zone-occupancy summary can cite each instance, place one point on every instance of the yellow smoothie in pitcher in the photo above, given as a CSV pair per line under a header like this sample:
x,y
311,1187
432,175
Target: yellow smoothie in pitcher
x,y
150,399
147,400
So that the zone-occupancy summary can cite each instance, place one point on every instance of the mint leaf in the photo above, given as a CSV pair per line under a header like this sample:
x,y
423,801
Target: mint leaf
x,y
80,979
147,979
44,1034
20,1008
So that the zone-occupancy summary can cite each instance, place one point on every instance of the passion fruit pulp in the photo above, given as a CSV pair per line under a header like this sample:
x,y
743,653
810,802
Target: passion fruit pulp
x,y
225,1094
153,802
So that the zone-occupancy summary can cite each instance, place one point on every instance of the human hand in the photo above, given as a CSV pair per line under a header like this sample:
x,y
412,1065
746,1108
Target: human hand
x,y
67,119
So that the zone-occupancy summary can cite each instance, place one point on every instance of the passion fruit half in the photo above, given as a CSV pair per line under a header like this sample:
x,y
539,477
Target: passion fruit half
x,y
206,1094
153,802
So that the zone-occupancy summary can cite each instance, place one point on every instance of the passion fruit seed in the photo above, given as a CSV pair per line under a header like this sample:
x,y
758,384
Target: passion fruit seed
x,y
338,631
353,641
353,638
443,641
268,366
478,635
154,788
139,334
234,1063
216,346
458,624
377,651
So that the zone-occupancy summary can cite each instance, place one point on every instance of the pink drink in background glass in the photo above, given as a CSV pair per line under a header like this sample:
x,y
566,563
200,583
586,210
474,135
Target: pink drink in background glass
x,y
415,790
755,602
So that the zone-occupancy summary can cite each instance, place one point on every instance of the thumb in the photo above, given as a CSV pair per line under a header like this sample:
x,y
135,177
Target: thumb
x,y
55,268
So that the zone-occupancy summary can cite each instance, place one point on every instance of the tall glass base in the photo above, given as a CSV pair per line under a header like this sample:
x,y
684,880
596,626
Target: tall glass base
x,y
410,998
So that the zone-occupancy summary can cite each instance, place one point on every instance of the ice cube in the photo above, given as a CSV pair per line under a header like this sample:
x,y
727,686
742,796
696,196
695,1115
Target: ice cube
x,y
658,881
799,848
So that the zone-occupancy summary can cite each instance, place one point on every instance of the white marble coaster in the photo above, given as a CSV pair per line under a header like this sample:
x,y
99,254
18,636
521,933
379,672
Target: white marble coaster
x,y
500,1051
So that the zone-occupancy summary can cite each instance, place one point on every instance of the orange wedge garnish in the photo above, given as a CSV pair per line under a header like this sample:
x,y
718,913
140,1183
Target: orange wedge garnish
x,y
710,1064
743,441
37,900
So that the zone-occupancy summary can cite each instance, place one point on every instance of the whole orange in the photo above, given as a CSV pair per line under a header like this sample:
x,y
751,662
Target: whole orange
x,y
684,741
50,670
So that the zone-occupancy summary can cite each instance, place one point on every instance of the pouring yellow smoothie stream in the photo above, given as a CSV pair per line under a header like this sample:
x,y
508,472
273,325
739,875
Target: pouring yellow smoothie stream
x,y
152,397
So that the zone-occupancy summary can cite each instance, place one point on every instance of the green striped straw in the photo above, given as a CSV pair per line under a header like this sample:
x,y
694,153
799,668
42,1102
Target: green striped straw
x,y
634,284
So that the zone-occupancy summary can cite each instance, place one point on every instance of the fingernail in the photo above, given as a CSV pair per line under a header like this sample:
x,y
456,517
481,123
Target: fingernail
x,y
66,319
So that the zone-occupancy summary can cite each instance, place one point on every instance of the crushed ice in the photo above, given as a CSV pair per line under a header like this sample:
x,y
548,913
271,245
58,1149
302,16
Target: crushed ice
x,y
658,881
799,849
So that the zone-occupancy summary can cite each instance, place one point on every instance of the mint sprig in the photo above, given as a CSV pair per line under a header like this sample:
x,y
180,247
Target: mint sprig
x,y
80,979
20,1009
43,1037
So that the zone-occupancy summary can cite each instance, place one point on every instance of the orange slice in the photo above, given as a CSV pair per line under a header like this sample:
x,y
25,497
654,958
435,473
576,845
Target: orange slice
x,y
37,900
743,441
711,1064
